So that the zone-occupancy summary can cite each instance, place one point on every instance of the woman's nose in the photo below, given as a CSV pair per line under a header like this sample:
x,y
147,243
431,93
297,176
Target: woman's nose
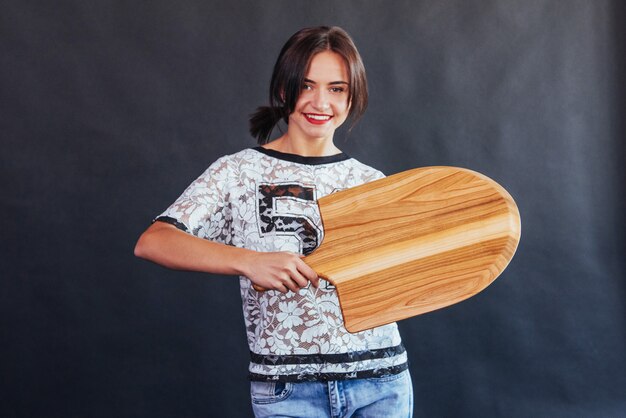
x,y
321,101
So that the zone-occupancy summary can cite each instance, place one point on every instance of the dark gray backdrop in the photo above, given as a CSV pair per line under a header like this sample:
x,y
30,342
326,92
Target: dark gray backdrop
x,y
109,109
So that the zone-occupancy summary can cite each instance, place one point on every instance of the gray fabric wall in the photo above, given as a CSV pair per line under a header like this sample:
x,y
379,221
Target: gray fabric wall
x,y
109,109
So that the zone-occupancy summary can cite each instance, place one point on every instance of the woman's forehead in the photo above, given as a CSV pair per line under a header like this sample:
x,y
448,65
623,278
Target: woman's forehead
x,y
326,67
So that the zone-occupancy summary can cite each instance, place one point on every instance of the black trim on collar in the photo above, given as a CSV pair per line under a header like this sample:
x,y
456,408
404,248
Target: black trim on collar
x,y
295,158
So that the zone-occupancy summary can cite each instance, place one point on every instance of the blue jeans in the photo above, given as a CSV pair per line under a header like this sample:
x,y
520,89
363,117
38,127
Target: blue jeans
x,y
390,396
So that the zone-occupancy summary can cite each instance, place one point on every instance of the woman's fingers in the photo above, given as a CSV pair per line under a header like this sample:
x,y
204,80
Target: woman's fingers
x,y
309,273
282,271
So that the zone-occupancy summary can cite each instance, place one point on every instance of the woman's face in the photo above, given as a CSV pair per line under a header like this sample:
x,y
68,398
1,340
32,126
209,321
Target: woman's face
x,y
323,102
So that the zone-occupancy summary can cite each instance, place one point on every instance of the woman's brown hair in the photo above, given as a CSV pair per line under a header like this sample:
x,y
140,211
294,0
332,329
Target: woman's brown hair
x,y
290,71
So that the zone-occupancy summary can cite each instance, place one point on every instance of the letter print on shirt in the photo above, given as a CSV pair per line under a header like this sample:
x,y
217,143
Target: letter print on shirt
x,y
284,209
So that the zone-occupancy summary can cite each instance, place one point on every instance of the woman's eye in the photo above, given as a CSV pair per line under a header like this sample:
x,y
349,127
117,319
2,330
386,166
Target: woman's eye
x,y
337,89
307,87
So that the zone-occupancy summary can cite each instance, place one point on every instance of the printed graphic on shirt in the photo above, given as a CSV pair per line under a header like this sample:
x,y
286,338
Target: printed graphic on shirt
x,y
281,212
258,200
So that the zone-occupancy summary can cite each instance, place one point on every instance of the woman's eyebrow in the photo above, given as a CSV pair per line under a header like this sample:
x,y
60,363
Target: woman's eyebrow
x,y
307,80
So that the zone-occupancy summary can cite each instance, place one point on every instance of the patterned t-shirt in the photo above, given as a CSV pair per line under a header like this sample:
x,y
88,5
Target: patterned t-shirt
x,y
264,200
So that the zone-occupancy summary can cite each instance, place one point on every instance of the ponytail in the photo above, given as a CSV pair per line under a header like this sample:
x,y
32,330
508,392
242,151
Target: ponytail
x,y
263,121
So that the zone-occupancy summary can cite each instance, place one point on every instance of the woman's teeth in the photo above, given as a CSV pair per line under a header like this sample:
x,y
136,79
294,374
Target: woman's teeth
x,y
317,117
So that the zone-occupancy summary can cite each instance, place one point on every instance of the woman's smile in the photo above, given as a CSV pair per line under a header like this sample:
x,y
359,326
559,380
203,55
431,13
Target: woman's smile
x,y
317,119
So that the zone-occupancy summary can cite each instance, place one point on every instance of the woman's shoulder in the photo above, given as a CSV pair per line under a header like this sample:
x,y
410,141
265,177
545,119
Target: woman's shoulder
x,y
246,154
236,159
365,171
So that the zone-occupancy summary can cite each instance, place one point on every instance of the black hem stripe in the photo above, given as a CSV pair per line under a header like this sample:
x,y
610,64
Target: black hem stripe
x,y
276,360
295,158
323,377
171,221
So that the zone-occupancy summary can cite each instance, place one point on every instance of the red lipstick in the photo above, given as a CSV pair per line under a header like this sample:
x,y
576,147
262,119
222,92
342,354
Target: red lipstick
x,y
316,118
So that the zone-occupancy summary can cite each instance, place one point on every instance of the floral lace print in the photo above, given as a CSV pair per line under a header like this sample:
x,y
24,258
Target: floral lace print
x,y
265,201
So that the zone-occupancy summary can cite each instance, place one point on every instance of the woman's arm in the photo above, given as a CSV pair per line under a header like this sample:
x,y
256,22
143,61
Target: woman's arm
x,y
170,247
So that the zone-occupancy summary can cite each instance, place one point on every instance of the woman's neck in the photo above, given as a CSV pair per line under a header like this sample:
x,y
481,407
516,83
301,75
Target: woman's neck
x,y
305,148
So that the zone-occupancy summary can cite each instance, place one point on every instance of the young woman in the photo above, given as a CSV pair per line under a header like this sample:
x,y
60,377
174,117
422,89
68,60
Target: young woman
x,y
253,214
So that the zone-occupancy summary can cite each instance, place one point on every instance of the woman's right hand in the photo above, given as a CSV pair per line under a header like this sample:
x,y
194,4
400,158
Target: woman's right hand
x,y
168,246
282,271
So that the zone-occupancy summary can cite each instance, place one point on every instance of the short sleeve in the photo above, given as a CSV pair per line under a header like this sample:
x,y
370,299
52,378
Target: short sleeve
x,y
203,209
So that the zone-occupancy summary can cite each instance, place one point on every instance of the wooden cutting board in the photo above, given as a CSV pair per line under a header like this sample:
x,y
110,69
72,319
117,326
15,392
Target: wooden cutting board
x,y
413,242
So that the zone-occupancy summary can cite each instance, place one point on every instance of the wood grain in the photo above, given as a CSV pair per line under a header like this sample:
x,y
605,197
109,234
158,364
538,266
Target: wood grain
x,y
414,242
